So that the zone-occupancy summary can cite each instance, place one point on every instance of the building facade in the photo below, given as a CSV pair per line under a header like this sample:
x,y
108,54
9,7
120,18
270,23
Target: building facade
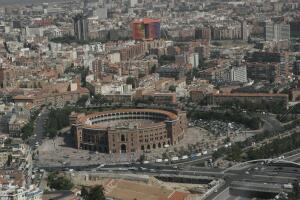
x,y
277,31
145,29
247,98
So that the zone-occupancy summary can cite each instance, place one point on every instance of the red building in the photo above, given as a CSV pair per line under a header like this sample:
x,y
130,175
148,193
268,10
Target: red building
x,y
146,29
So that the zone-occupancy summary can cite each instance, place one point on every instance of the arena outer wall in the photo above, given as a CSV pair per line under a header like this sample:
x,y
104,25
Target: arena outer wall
x,y
168,129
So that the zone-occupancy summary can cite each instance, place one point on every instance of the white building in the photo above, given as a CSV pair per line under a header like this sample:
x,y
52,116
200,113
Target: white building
x,y
238,74
35,31
132,3
194,60
9,192
112,88
114,57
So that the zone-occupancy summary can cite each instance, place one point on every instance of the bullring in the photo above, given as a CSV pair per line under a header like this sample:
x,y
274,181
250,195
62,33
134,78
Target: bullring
x,y
128,130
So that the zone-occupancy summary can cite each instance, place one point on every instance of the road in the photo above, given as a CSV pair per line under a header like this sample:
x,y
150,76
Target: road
x,y
271,124
39,130
258,173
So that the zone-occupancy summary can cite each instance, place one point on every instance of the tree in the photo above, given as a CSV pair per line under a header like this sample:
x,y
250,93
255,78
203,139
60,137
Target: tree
x,y
164,155
59,182
98,99
82,71
172,88
95,193
131,81
142,158
227,139
9,160
82,100
153,69
27,130
296,190
52,132
57,119
8,141
84,193
201,63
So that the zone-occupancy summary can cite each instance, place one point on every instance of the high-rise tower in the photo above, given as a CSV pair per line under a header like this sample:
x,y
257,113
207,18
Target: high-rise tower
x,y
80,27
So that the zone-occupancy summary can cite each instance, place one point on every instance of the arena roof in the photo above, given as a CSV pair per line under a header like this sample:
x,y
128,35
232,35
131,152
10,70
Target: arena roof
x,y
169,114
83,119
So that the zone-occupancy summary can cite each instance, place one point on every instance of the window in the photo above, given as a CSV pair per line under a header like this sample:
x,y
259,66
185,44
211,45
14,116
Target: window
x,y
122,138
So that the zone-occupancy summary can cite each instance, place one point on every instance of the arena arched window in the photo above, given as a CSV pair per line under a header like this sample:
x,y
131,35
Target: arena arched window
x,y
122,138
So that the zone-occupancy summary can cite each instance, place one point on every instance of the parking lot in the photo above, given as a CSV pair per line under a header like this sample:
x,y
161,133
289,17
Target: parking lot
x,y
219,128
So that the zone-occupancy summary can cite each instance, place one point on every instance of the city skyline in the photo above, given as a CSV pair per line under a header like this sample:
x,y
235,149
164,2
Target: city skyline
x,y
149,100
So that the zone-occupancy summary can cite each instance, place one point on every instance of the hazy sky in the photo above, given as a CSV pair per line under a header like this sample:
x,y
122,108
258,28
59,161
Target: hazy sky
x,y
23,1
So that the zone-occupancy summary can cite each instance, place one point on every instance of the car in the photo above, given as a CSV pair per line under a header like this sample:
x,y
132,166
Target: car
x,y
198,154
174,158
184,157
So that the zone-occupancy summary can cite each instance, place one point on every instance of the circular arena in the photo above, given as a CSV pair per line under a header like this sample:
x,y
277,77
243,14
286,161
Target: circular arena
x,y
128,130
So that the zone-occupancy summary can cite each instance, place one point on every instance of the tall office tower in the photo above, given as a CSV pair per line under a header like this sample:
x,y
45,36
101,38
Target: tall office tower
x,y
80,27
245,32
277,31
146,29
